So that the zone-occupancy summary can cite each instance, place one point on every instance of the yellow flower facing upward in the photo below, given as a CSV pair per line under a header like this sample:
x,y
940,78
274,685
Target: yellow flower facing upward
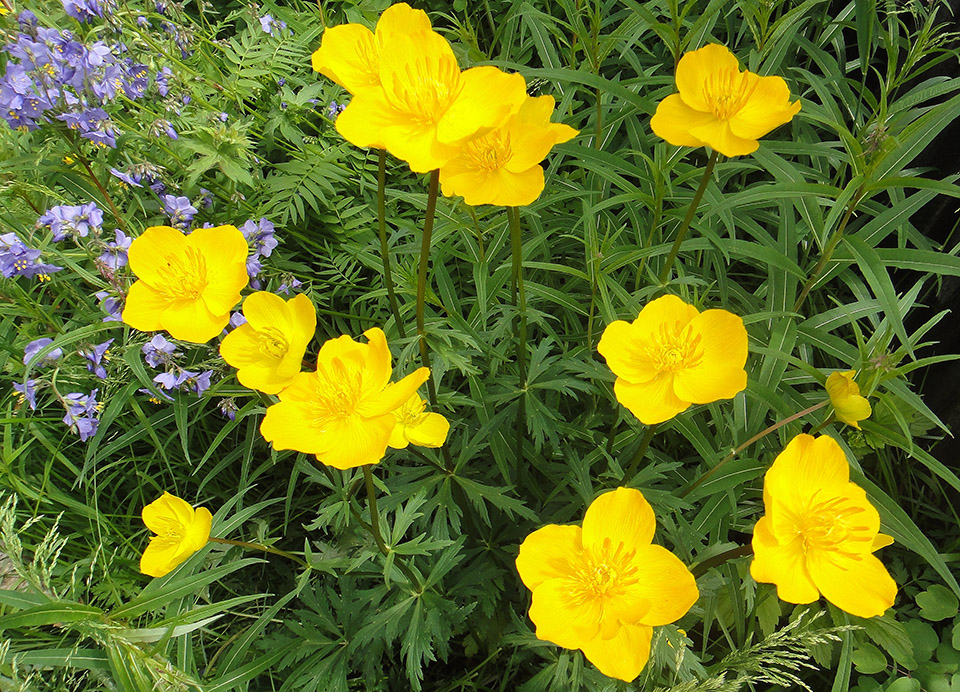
x,y
425,108
721,107
417,426
819,532
848,405
344,412
181,531
503,166
268,349
673,356
604,587
187,284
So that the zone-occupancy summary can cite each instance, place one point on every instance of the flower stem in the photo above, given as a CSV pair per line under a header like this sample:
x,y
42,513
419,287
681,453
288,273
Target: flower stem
x,y
422,279
717,560
375,529
520,323
384,248
691,210
259,546
828,250
639,454
760,435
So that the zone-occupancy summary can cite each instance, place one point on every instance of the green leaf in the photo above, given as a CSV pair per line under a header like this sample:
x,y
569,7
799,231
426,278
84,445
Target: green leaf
x,y
937,603
868,659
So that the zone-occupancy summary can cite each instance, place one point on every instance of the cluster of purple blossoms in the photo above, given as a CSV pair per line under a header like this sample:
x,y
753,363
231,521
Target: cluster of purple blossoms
x,y
82,412
163,127
16,259
52,75
28,392
179,209
95,357
335,109
34,347
158,351
140,175
111,305
114,254
185,380
272,26
228,407
260,236
66,220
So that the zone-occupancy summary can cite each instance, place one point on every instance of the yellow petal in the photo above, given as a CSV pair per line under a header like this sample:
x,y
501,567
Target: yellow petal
x,y
349,55
150,252
531,134
198,531
717,135
401,19
651,402
161,556
626,350
398,438
303,318
344,349
808,466
488,98
882,540
619,516
666,310
622,657
377,367
767,108
674,120
144,307
563,618
264,310
354,441
394,395
241,347
190,320
849,406
784,565
550,552
288,425
697,68
166,510
859,585
501,187
719,373
666,583
224,250
430,430
365,118
302,390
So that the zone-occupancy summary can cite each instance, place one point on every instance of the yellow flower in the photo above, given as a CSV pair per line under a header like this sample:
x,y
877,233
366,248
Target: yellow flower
x,y
603,588
503,166
672,356
721,107
181,531
349,54
344,412
187,284
848,405
415,426
425,108
819,532
268,350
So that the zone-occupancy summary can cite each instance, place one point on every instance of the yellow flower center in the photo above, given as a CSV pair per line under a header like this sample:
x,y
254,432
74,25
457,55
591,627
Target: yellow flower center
x,y
831,525
605,573
338,390
184,277
412,411
425,94
674,348
490,153
726,92
272,342
171,530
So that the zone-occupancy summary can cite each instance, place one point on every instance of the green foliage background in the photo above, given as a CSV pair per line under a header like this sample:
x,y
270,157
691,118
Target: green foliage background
x,y
869,74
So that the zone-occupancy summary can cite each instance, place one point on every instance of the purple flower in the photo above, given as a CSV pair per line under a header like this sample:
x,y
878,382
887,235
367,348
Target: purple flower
x,y
35,346
206,198
158,351
110,305
28,390
115,254
179,209
143,22
16,259
154,397
199,383
162,81
224,117
82,10
65,220
254,266
281,81
260,236
236,319
95,357
125,178
158,187
103,138
228,408
294,284
267,24
167,380
138,80
82,410
161,6
27,20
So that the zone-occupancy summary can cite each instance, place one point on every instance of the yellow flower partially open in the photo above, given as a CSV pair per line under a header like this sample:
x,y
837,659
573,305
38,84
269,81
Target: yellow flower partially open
x,y
417,426
268,349
848,405
604,587
181,531
187,284
819,532
344,412
503,166
673,356
425,107
721,107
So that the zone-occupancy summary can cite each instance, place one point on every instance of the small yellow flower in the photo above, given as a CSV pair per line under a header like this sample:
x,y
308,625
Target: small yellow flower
x,y
68,160
187,284
344,412
721,107
848,405
503,166
819,532
604,587
416,426
673,356
425,108
268,350
181,531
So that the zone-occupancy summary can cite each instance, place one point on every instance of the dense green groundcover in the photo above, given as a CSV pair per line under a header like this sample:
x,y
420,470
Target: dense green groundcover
x,y
228,114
